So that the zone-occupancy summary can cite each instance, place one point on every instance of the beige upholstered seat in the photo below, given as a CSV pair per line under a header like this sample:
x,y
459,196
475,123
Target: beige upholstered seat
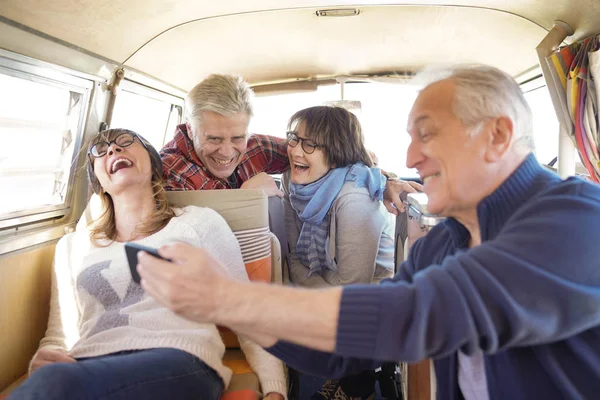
x,y
246,212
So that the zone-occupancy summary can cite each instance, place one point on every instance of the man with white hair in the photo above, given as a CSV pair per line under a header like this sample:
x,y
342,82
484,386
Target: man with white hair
x,y
504,295
213,150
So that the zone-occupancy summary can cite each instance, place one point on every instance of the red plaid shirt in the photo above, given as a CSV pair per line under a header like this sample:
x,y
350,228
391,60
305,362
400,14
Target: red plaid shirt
x,y
183,170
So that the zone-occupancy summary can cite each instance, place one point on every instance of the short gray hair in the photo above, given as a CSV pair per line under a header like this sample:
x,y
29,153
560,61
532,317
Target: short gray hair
x,y
222,94
484,92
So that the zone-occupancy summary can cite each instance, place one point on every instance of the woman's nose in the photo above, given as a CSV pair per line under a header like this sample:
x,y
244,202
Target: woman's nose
x,y
297,151
114,148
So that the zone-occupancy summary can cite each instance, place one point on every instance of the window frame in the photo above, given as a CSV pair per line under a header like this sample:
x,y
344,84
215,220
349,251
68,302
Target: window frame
x,y
26,68
538,83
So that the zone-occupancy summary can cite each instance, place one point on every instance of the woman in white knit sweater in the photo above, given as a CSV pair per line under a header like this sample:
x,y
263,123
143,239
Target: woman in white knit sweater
x,y
106,338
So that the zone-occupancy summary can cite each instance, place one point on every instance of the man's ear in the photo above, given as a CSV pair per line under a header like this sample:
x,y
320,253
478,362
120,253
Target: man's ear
x,y
500,137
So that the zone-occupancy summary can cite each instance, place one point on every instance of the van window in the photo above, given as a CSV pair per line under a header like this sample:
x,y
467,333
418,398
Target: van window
x,y
41,125
151,113
545,124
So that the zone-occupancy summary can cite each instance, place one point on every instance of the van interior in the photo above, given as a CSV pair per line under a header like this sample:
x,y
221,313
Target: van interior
x,y
70,68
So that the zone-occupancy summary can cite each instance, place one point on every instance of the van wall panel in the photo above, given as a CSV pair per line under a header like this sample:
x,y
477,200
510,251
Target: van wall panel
x,y
25,278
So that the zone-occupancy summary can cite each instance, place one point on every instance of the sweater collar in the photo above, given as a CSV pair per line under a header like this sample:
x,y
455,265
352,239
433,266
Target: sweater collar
x,y
494,210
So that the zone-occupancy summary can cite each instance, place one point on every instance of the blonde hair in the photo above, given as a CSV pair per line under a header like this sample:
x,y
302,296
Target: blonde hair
x,y
104,228
222,94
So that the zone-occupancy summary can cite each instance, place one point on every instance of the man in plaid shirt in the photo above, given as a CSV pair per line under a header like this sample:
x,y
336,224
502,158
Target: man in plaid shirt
x,y
212,150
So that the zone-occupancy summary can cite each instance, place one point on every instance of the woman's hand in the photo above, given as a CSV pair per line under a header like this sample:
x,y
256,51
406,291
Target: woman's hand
x,y
193,285
273,396
393,189
48,355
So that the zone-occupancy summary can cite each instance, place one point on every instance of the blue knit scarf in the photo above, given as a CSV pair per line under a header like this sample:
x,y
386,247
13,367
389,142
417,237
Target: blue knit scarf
x,y
312,203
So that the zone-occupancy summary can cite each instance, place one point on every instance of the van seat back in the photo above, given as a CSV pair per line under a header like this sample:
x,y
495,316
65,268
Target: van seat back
x,y
247,213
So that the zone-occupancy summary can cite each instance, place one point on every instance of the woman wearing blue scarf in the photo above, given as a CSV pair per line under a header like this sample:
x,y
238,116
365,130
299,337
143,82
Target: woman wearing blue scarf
x,y
339,231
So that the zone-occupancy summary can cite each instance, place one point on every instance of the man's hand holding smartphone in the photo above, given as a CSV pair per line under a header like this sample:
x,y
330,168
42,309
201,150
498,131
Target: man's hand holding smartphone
x,y
131,249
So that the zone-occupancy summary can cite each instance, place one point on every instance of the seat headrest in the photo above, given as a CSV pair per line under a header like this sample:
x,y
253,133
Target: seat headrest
x,y
242,209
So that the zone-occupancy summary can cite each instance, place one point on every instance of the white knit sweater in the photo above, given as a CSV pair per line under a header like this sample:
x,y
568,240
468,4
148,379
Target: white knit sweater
x,y
97,309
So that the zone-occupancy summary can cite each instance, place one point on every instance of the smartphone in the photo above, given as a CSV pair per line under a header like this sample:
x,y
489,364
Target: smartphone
x,y
131,250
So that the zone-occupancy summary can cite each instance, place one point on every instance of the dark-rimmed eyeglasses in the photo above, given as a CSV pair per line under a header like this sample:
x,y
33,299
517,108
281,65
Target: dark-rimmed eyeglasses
x,y
124,139
308,146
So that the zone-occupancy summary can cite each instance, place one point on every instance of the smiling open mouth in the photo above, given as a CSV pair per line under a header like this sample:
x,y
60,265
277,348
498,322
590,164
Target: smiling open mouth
x,y
300,167
120,164
223,162
429,177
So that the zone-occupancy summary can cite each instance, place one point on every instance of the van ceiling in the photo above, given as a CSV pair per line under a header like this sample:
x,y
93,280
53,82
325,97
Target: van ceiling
x,y
182,41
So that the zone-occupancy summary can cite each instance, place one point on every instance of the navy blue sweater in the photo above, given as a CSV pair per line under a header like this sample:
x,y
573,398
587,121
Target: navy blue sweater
x,y
528,297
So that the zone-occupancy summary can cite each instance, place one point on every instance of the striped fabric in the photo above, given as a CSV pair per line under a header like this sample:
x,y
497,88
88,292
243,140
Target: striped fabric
x,y
255,243
311,246
256,253
246,212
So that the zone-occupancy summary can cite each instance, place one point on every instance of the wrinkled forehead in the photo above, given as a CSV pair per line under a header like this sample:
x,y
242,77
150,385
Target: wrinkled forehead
x,y
223,125
435,100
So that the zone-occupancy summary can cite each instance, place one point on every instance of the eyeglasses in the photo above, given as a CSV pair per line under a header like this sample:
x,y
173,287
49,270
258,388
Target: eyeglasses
x,y
308,146
100,149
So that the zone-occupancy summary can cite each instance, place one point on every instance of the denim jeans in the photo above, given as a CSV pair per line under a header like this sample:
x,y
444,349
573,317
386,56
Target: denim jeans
x,y
143,374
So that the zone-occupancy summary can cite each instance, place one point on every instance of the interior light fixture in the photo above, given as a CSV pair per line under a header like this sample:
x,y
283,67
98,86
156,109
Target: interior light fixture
x,y
339,12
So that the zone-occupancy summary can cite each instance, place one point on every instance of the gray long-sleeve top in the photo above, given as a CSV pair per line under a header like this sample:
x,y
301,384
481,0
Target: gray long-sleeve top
x,y
361,240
